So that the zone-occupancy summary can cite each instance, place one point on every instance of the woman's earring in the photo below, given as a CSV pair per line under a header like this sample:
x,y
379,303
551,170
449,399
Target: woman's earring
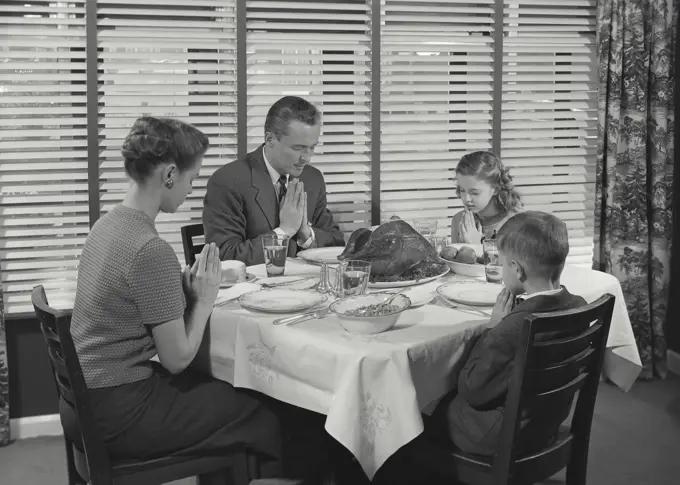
x,y
168,183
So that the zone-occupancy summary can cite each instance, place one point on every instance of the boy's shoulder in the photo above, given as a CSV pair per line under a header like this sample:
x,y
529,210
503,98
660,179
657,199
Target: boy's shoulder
x,y
571,301
564,300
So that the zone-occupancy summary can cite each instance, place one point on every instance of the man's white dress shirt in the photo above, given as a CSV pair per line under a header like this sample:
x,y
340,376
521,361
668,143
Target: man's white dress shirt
x,y
274,175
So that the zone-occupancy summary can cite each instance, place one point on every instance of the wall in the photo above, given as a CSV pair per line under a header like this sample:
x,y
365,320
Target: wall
x,y
32,391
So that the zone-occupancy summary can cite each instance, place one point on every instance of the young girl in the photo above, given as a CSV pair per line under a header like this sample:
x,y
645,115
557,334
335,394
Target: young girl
x,y
489,198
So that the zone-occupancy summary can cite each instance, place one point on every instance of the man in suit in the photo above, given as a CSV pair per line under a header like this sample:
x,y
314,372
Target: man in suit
x,y
273,190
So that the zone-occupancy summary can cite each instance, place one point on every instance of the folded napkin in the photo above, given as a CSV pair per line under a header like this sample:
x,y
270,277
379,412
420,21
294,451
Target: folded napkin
x,y
235,291
421,294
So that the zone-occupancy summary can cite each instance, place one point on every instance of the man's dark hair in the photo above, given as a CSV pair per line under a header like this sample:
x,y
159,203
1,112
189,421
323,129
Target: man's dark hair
x,y
287,109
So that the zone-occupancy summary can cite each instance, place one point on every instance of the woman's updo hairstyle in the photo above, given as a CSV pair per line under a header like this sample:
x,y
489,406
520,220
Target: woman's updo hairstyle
x,y
487,167
155,141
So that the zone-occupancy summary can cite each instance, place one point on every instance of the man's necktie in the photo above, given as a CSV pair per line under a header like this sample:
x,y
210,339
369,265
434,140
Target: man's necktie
x,y
282,188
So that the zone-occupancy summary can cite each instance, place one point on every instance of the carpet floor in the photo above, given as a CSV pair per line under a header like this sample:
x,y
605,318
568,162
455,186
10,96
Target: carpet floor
x,y
635,441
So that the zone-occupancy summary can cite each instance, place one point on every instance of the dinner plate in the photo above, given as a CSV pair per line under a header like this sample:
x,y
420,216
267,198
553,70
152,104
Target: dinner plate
x,y
292,282
249,279
401,284
281,300
322,255
473,294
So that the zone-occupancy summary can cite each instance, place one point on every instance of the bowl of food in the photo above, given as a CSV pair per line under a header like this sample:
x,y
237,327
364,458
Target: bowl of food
x,y
464,259
364,314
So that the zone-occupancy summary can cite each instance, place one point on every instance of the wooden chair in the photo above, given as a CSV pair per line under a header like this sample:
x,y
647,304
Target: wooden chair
x,y
191,250
547,370
88,460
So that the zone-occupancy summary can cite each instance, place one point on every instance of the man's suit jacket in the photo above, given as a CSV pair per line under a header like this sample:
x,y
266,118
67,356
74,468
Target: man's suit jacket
x,y
240,207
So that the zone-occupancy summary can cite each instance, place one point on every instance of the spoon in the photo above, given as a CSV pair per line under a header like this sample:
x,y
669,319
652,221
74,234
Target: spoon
x,y
385,302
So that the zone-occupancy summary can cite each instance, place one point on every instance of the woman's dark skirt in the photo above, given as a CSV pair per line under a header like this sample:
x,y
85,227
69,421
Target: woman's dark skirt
x,y
179,414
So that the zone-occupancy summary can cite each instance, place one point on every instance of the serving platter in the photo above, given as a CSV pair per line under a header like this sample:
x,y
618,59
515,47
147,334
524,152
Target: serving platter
x,y
402,284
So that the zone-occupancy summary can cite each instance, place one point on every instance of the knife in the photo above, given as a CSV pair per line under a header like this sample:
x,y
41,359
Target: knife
x,y
284,283
466,309
225,302
301,317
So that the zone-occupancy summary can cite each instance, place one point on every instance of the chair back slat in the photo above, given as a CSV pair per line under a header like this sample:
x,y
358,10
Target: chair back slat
x,y
561,322
551,378
559,358
56,329
560,394
192,248
61,375
556,349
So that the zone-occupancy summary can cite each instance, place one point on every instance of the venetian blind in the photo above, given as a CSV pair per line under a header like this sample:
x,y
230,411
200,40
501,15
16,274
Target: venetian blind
x,y
171,58
550,111
43,149
320,51
436,102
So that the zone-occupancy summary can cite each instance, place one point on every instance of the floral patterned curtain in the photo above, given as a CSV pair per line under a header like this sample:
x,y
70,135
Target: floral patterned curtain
x,y
634,179
4,380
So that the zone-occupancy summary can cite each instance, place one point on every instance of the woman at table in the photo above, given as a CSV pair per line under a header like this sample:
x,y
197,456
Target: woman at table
x,y
134,301
488,194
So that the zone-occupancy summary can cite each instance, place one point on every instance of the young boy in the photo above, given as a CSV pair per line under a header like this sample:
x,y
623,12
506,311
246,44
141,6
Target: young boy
x,y
533,247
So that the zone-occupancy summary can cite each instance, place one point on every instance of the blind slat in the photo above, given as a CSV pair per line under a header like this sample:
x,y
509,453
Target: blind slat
x,y
43,151
172,59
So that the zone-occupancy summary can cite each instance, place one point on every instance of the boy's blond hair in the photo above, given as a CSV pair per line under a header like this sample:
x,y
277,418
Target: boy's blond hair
x,y
538,241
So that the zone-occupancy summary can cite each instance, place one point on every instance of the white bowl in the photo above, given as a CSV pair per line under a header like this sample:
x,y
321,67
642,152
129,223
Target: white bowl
x,y
233,272
368,325
474,270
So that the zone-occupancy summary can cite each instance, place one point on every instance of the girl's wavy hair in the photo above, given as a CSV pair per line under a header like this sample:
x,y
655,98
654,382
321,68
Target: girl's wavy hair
x,y
487,167
155,141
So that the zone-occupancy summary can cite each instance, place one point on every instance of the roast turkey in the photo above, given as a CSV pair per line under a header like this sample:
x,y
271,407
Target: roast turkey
x,y
396,251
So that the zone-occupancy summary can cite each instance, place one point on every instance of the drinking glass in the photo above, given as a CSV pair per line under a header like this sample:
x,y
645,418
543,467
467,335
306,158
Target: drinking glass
x,y
492,265
275,249
352,278
425,227
438,243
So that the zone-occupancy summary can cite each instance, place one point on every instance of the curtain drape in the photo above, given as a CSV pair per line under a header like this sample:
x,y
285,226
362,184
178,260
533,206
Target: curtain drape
x,y
635,161
4,380
672,327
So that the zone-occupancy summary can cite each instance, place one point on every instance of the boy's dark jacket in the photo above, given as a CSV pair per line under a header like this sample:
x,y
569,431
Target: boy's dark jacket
x,y
475,415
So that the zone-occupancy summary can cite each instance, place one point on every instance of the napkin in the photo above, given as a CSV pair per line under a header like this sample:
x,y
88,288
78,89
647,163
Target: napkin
x,y
235,291
421,294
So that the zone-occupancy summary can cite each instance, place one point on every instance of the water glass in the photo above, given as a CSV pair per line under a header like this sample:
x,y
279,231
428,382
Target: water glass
x,y
438,243
352,278
275,248
425,227
492,265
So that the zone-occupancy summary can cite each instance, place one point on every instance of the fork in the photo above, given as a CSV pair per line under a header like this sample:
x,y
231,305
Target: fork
x,y
385,302
301,317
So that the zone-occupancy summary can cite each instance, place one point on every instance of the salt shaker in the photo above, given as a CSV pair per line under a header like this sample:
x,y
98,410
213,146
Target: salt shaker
x,y
324,280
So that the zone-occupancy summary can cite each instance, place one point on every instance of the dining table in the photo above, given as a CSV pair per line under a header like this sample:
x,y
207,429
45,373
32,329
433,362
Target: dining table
x,y
373,388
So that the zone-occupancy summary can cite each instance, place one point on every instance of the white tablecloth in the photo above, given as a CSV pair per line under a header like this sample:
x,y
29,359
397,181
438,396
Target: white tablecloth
x,y
373,388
